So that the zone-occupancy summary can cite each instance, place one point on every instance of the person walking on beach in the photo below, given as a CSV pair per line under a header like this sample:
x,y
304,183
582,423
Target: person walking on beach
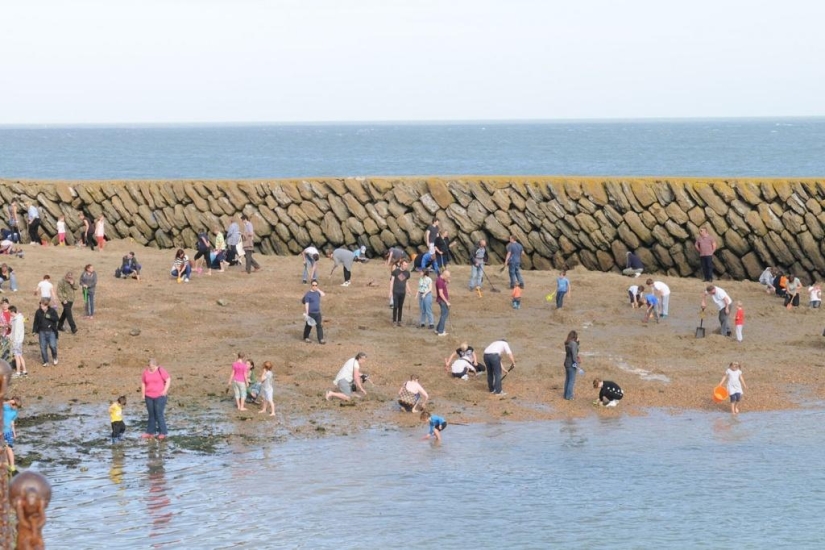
x,y
634,266
562,289
100,233
571,363
350,373
436,424
233,239
33,219
425,300
220,252
116,418
399,288
479,258
61,231
739,320
723,302
239,381
312,312
154,389
267,390
492,360
735,382
609,392
706,246
88,282
310,255
202,250
66,289
662,292
513,262
45,289
345,258
45,326
17,336
248,237
443,299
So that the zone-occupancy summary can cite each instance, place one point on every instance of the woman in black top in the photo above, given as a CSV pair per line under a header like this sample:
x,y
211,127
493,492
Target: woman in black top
x,y
571,363
609,392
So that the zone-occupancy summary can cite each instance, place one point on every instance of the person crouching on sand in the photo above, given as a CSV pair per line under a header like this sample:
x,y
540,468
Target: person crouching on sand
x,y
609,392
437,425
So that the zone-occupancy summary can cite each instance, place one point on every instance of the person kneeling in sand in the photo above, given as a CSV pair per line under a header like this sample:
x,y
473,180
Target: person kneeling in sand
x,y
609,393
349,374
461,368
410,394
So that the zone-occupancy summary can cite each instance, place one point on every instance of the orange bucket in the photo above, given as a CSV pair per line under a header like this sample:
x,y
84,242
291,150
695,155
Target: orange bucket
x,y
719,394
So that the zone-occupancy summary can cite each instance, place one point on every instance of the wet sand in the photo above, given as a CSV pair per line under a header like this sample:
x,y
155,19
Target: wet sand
x,y
196,339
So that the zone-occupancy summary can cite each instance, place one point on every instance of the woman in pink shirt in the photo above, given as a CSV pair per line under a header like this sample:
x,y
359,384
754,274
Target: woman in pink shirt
x,y
153,388
239,380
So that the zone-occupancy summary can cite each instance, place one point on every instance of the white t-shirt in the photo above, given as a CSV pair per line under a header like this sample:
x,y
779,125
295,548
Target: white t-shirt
x,y
61,227
633,289
461,365
99,228
734,383
310,250
45,287
347,372
719,298
498,347
816,294
662,288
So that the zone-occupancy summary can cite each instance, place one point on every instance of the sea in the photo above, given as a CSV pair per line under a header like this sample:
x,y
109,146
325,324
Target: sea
x,y
664,479
716,147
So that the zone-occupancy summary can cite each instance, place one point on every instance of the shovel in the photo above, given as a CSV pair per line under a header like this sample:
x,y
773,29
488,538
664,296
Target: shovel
x,y
700,330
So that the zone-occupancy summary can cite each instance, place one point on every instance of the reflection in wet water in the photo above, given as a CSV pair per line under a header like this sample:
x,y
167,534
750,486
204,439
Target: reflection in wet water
x,y
659,480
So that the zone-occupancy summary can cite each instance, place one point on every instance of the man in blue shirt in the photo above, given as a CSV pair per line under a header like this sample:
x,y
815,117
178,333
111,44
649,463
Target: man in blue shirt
x,y
312,313
513,262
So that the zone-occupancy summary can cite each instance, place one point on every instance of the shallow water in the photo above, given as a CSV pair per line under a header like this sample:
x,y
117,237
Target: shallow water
x,y
687,480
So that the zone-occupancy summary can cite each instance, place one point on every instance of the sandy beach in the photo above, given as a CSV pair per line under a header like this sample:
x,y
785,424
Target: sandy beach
x,y
196,339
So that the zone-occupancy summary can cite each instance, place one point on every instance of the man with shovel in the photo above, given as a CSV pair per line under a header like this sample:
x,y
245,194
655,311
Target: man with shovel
x,y
722,301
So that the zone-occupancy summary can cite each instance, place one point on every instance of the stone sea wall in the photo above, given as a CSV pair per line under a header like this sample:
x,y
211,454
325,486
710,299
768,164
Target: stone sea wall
x,y
560,221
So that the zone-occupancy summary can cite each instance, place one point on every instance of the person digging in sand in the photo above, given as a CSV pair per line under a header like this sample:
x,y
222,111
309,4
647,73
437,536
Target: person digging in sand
x,y
350,373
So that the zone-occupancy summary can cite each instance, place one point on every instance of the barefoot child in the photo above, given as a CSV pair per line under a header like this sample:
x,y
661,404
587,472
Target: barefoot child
x,y
739,321
736,381
266,389
437,425
10,409
61,231
652,306
116,418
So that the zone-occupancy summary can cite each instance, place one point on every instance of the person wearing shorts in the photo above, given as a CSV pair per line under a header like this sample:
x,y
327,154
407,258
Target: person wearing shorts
x,y
437,425
239,380
350,373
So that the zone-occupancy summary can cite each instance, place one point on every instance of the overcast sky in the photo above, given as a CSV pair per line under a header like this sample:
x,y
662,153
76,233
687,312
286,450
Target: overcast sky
x,y
85,61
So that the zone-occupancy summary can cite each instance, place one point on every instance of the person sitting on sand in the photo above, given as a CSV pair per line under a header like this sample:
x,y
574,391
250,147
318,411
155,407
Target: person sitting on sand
x,y
410,394
780,282
634,266
349,374
7,247
7,274
129,267
181,268
609,392
461,368
792,291
766,279
466,353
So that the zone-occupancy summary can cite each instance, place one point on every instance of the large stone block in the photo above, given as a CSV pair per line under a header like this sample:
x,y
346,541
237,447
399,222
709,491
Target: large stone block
x,y
429,204
356,188
634,222
460,192
733,266
483,198
628,237
736,243
355,207
711,199
440,192
405,194
331,227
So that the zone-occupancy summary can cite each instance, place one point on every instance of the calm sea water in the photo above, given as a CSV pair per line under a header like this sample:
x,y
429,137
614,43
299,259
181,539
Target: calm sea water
x,y
660,481
782,147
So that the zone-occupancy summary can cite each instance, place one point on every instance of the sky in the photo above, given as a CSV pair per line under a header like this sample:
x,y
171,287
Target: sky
x,y
201,61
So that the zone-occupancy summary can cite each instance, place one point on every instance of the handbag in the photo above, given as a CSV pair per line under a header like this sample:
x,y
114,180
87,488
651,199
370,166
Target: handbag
x,y
407,398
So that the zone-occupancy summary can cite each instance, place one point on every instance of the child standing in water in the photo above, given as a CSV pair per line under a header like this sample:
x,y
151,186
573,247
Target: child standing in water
x,y
116,418
736,381
10,408
267,389
61,231
739,321
437,425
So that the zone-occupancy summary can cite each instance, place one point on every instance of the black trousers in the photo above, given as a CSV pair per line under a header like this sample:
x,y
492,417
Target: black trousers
x,y
319,328
118,428
707,267
34,230
347,274
493,362
66,315
397,306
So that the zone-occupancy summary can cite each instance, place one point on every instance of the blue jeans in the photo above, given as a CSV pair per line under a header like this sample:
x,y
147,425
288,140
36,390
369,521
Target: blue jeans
x,y
442,321
90,303
476,275
569,381
48,341
515,275
425,304
187,271
12,281
309,267
560,298
156,406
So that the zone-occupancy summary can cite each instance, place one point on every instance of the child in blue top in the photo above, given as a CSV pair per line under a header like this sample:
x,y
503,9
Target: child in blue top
x,y
652,306
9,416
562,288
437,425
